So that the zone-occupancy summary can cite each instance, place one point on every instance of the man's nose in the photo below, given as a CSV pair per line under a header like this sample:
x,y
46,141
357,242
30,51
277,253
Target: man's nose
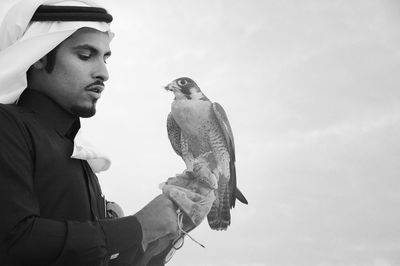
x,y
101,71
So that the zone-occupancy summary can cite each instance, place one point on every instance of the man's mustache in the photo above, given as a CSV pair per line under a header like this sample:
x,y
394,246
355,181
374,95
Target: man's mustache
x,y
96,83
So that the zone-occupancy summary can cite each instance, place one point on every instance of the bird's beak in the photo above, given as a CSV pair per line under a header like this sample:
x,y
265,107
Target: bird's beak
x,y
171,87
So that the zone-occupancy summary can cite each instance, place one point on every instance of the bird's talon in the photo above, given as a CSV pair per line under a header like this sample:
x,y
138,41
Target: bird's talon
x,y
188,174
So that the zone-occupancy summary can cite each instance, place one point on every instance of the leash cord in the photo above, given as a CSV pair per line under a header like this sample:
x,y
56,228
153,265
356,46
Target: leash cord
x,y
180,224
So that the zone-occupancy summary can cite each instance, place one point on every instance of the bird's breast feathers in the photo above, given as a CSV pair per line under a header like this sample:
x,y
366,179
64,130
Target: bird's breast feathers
x,y
192,115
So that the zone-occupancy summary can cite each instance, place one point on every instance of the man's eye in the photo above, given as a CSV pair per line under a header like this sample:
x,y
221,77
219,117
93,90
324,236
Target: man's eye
x,y
84,56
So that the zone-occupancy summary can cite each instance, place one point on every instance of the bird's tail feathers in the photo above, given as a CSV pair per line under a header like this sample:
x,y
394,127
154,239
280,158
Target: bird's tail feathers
x,y
239,195
236,194
219,217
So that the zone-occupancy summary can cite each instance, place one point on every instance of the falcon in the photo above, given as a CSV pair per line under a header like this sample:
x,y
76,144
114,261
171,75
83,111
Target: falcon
x,y
199,130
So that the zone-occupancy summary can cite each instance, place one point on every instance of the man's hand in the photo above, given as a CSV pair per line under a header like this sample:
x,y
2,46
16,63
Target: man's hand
x,y
193,192
158,220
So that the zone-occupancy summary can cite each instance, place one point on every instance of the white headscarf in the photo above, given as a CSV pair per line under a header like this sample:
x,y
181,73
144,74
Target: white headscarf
x,y
23,43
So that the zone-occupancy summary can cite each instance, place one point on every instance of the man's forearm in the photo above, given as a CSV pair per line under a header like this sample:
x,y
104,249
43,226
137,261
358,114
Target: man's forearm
x,y
38,241
35,240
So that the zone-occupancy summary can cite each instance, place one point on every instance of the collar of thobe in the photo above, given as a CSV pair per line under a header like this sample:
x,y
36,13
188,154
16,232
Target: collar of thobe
x,y
34,40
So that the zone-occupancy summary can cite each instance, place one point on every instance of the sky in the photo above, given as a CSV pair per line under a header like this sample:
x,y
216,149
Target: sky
x,y
311,93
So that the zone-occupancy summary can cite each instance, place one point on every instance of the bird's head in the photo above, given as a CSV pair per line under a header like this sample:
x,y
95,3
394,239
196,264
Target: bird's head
x,y
185,89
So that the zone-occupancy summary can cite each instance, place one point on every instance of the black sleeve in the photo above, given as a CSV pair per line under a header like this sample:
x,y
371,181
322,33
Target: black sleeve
x,y
38,241
28,239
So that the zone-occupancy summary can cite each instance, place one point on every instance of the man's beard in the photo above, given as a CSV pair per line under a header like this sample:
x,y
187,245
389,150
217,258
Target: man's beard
x,y
83,111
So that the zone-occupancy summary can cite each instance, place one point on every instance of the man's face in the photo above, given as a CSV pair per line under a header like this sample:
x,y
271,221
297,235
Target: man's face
x,y
76,81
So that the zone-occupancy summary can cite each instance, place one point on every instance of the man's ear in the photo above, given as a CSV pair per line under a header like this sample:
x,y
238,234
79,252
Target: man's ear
x,y
41,63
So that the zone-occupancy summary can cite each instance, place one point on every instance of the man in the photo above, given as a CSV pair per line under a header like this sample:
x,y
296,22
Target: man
x,y
53,212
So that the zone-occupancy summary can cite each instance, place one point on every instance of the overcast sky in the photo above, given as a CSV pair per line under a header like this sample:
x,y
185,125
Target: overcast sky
x,y
312,92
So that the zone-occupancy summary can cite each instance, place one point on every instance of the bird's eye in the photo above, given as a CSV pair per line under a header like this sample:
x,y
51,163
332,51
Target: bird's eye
x,y
182,82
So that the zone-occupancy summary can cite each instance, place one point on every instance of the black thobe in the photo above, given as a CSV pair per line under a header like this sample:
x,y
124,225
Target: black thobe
x,y
52,209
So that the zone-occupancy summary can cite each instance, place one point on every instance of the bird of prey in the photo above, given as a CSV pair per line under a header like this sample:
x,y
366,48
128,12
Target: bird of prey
x,y
199,128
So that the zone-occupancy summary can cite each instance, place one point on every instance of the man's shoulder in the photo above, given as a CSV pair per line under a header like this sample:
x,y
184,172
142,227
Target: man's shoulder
x,y
9,107
15,124
12,113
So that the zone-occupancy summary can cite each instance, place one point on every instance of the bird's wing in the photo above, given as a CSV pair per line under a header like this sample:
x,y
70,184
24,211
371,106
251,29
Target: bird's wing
x,y
226,128
174,134
227,131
